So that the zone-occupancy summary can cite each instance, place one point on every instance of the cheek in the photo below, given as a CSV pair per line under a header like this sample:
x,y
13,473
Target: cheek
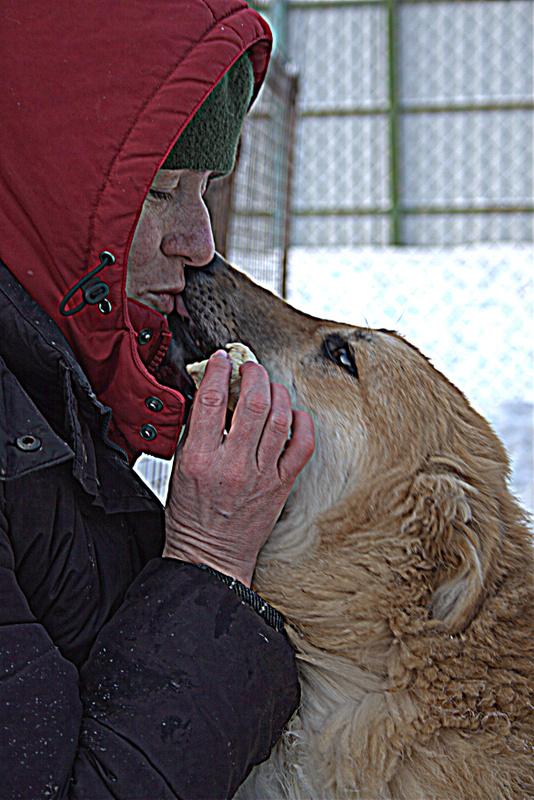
x,y
145,246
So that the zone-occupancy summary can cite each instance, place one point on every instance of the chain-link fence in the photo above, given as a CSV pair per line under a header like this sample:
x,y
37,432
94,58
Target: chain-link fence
x,y
250,208
414,121
413,126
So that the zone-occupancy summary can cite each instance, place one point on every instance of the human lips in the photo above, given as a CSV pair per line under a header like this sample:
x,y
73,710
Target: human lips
x,y
166,302
163,301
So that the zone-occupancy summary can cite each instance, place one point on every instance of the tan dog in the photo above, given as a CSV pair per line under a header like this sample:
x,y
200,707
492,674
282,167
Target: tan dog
x,y
401,563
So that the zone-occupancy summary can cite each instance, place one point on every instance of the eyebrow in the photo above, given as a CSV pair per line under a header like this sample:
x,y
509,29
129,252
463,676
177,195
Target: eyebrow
x,y
366,335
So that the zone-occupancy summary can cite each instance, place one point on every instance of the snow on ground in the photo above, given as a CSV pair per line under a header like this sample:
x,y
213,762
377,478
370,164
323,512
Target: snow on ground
x,y
468,309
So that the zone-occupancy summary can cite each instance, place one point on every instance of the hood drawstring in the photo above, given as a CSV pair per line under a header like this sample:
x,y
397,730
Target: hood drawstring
x,y
94,291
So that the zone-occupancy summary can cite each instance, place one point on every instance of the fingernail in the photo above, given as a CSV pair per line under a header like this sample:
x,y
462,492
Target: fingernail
x,y
220,354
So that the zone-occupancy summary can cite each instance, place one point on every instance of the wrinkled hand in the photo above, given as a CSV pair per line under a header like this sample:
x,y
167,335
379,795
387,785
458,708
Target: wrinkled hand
x,y
226,492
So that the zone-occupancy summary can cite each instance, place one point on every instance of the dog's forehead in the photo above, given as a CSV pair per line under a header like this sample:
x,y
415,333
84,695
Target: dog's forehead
x,y
347,332
363,334
383,335
372,335
387,343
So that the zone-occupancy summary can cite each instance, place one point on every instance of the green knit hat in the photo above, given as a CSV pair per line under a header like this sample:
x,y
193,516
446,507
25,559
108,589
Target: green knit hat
x,y
209,142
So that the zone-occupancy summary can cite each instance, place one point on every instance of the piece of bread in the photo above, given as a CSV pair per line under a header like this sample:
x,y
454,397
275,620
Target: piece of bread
x,y
239,353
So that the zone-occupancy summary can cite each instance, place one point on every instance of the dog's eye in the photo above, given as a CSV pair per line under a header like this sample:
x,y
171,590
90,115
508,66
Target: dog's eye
x,y
340,353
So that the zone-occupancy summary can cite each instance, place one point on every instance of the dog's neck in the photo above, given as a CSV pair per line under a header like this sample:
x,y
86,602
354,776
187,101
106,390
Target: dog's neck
x,y
293,537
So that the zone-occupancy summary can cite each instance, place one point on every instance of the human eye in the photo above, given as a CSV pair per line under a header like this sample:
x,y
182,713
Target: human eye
x,y
157,195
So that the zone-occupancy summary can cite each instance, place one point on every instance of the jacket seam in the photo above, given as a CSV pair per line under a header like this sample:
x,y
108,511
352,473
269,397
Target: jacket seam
x,y
134,746
37,468
32,663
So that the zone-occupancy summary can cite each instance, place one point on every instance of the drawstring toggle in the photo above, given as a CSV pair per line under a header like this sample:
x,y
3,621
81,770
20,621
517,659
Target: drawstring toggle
x,y
93,289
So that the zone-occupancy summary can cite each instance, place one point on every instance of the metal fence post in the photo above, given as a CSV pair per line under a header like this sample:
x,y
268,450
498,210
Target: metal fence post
x,y
393,62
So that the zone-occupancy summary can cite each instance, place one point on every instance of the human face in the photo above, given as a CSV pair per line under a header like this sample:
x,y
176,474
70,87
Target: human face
x,y
174,229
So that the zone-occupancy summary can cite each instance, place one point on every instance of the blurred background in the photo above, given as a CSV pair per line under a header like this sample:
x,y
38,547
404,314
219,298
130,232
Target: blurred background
x,y
385,177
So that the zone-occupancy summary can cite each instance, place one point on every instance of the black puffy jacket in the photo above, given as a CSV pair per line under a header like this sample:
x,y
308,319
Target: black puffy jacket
x,y
122,674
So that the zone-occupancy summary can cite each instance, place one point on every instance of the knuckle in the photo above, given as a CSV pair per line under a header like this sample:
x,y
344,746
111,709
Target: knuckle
x,y
281,421
257,403
213,398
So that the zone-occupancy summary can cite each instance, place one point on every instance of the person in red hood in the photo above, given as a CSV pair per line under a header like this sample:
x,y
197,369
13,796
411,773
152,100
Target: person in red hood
x,y
136,662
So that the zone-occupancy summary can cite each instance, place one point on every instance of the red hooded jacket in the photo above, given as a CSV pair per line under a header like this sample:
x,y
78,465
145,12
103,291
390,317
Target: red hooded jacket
x,y
93,97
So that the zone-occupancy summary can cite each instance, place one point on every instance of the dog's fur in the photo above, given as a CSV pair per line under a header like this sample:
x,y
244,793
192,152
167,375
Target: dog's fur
x,y
401,563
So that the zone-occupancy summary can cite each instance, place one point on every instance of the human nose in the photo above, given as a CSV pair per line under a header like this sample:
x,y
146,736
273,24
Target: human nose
x,y
191,236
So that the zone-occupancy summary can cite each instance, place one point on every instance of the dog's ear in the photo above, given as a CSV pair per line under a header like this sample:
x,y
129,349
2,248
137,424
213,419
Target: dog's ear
x,y
457,531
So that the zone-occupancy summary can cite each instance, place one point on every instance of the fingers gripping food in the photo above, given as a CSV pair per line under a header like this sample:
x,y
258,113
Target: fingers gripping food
x,y
239,354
